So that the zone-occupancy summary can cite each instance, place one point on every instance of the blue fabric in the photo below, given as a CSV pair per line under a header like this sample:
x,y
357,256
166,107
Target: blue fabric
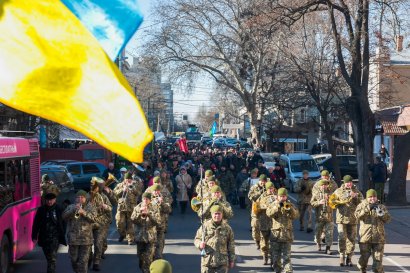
x,y
112,22
213,129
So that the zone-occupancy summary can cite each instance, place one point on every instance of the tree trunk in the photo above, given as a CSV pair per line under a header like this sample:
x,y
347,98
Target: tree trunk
x,y
363,131
397,183
332,150
253,117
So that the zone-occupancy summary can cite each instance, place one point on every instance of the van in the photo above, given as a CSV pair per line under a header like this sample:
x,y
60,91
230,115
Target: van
x,y
82,172
294,164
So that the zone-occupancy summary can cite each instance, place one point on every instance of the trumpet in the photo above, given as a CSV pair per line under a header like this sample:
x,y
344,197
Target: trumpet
x,y
77,212
286,206
111,179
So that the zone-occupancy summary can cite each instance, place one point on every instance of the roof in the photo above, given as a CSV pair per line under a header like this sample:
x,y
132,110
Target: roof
x,y
388,119
404,117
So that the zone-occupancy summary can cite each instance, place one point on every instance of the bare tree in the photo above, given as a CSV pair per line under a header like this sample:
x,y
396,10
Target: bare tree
x,y
224,38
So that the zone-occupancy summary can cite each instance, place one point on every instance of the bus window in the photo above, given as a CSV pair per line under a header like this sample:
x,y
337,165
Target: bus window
x,y
6,190
27,178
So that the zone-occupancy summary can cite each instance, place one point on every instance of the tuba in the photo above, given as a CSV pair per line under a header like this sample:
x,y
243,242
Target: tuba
x,y
111,179
333,202
286,206
196,203
256,207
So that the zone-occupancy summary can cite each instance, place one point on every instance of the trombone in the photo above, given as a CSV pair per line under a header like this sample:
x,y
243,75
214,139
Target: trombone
x,y
110,179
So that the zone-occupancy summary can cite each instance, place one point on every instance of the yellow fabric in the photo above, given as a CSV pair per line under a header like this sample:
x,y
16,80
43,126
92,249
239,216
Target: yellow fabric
x,y
52,67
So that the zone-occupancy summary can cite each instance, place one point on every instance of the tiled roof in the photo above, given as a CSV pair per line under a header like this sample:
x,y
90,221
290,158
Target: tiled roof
x,y
391,128
388,119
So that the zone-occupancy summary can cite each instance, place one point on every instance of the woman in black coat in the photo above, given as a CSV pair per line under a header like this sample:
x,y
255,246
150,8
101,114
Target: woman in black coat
x,y
49,230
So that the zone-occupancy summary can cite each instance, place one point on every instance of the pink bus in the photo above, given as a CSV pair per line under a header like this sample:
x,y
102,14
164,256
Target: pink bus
x,y
19,197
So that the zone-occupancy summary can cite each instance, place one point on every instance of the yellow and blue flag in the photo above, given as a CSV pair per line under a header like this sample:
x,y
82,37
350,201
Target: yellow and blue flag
x,y
213,129
56,63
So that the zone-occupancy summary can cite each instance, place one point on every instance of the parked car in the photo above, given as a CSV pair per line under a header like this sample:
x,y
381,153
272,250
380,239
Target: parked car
x,y
59,175
319,158
347,164
82,173
294,164
224,143
269,159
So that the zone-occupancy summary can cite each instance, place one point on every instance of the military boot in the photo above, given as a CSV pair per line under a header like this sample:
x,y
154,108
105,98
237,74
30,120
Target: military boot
x,y
96,267
309,230
265,258
349,261
319,247
342,260
327,251
258,245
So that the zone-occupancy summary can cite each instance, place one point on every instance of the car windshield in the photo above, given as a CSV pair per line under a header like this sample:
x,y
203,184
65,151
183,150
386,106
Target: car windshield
x,y
193,136
298,166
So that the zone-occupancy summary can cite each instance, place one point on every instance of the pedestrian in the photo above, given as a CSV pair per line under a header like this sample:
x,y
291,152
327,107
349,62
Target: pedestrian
x,y
304,189
324,215
384,153
112,170
282,213
379,177
184,184
145,218
49,230
347,198
80,218
160,266
372,216
216,238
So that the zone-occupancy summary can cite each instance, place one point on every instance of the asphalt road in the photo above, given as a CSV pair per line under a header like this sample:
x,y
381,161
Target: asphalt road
x,y
184,257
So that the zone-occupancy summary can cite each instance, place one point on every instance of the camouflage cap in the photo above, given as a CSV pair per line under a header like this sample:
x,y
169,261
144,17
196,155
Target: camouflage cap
x,y
323,182
371,193
96,180
255,170
324,173
146,195
45,177
216,189
50,196
160,266
282,191
305,172
209,173
156,179
347,178
82,193
269,185
263,177
128,176
216,208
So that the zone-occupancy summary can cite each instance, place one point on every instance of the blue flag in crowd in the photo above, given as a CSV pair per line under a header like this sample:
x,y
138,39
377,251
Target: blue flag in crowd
x,y
213,129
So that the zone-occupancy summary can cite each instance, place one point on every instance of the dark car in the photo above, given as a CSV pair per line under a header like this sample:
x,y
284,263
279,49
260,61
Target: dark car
x,y
59,175
82,173
347,164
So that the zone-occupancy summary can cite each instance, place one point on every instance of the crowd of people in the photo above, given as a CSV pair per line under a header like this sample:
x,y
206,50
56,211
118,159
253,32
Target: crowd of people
x,y
212,182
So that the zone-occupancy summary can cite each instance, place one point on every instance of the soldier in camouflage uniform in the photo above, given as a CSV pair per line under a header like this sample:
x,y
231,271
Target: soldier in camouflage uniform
x,y
101,226
324,215
267,198
146,220
216,238
372,216
167,197
48,186
49,230
226,180
202,185
217,199
254,193
346,220
113,200
80,218
127,193
162,207
304,189
282,231
325,176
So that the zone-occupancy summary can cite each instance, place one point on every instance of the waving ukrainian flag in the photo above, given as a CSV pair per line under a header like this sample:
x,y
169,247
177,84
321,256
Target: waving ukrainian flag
x,y
56,63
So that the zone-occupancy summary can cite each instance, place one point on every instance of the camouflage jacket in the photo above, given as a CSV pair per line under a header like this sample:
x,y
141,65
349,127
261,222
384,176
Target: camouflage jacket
x,y
166,195
371,225
47,187
111,196
254,193
282,227
345,213
103,215
127,199
145,225
324,213
219,244
331,188
79,230
266,200
162,209
204,185
208,203
226,181
304,195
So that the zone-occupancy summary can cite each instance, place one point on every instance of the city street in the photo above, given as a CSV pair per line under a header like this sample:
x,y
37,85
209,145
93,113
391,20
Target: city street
x,y
180,251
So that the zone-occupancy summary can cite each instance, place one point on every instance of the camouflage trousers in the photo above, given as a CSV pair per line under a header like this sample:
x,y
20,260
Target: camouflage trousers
x,y
125,226
219,269
159,245
265,243
374,250
280,253
256,233
145,253
305,208
379,187
79,255
100,235
327,229
347,238
50,250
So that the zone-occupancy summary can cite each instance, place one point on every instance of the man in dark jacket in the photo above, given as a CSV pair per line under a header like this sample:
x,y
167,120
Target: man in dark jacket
x,y
49,230
379,176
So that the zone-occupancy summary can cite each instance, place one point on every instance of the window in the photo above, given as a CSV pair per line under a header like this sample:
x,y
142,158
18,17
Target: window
x,y
90,168
93,154
74,169
300,165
